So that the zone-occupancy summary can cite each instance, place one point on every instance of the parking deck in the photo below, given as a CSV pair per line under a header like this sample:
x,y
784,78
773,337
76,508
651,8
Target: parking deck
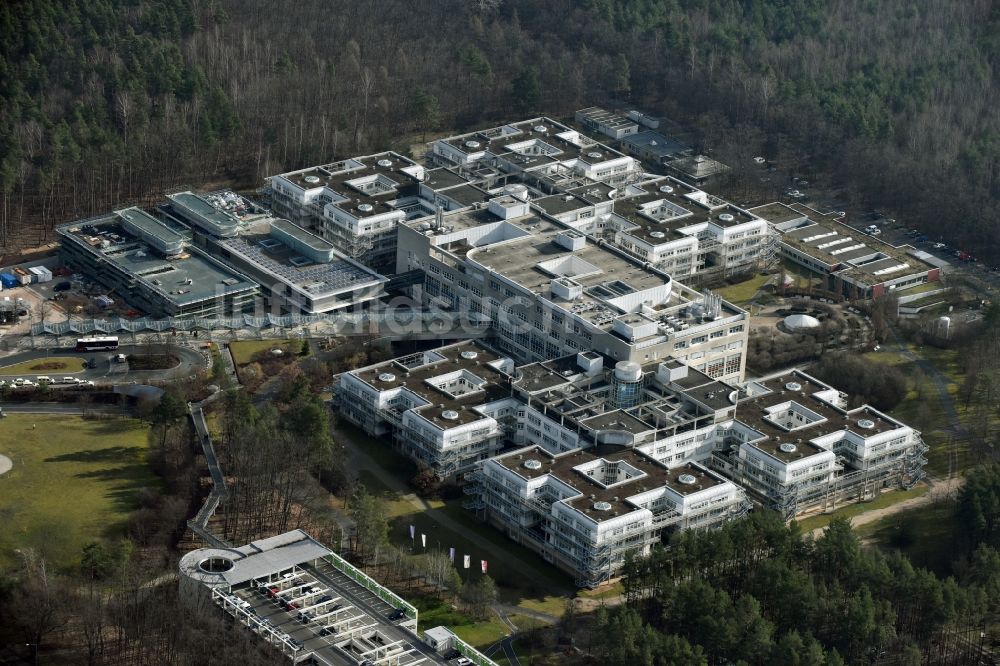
x,y
320,613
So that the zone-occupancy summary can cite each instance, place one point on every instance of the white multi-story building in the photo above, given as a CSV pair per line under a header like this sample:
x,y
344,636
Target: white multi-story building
x,y
679,229
796,446
355,204
539,149
585,511
551,291
788,441
432,404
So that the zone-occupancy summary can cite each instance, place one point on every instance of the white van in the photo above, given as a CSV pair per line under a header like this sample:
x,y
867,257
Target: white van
x,y
69,380
42,379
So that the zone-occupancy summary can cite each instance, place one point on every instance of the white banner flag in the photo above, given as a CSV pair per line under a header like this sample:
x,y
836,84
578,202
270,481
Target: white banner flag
x,y
468,561
482,563
423,540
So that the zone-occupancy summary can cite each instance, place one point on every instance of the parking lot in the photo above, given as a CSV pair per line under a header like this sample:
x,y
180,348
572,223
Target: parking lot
x,y
320,611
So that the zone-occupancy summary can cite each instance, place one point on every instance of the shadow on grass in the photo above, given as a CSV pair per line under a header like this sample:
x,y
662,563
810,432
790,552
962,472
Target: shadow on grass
x,y
112,454
508,563
926,535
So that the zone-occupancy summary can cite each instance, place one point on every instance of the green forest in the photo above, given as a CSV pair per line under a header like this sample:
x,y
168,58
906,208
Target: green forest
x,y
758,592
108,102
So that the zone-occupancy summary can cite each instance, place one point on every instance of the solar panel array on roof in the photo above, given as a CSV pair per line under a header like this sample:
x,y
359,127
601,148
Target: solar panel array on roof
x,y
322,277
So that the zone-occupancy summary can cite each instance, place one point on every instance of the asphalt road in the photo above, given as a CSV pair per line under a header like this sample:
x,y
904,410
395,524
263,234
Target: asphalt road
x,y
107,371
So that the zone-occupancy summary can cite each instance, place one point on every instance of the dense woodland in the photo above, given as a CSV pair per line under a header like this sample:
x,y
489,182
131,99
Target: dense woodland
x,y
112,101
757,592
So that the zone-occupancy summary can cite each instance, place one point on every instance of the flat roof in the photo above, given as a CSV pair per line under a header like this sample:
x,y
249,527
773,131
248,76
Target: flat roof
x,y
221,222
605,117
150,225
465,195
777,212
654,475
698,166
386,177
798,387
182,279
670,207
655,142
301,235
819,240
467,356
286,264
443,177
557,204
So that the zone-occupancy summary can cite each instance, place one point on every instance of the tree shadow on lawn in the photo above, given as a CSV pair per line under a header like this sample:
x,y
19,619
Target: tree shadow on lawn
x,y
116,426
111,454
124,482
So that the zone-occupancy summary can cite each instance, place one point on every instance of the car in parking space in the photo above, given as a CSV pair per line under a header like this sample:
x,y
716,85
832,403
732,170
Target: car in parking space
x,y
69,380
397,614
271,591
940,246
19,381
325,598
326,631
28,382
463,661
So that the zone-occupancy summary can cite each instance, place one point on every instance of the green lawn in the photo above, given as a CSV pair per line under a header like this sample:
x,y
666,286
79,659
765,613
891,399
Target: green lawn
x,y
924,534
244,350
69,365
744,291
603,592
481,634
883,501
74,480
922,407
482,542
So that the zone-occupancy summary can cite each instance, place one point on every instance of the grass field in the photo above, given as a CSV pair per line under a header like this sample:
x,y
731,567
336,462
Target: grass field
x,y
67,365
743,291
74,480
922,407
244,350
924,534
883,501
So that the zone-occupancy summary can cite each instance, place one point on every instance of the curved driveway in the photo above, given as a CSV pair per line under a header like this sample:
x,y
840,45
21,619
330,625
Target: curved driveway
x,y
107,371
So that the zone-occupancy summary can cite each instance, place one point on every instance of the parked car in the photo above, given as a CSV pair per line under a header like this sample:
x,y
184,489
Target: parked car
x,y
397,614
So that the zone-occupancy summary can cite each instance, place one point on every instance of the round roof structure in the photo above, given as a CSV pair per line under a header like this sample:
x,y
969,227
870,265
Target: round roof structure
x,y
800,322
